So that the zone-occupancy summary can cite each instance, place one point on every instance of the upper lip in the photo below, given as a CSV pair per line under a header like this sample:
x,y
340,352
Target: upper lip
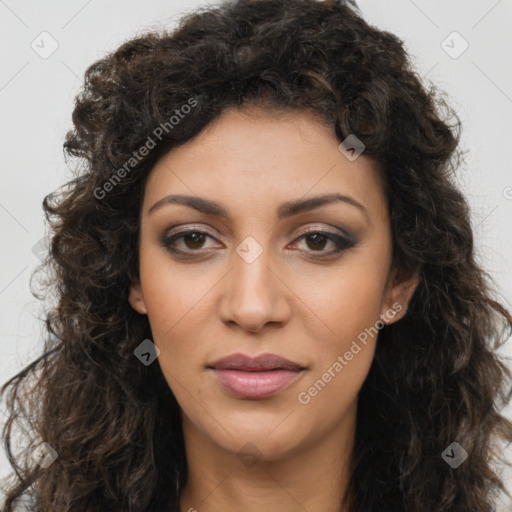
x,y
262,362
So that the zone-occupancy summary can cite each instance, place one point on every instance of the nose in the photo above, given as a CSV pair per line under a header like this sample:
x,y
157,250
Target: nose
x,y
254,294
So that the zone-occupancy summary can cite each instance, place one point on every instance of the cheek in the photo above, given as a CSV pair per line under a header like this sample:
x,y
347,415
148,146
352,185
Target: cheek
x,y
349,306
171,293
173,300
347,302
358,294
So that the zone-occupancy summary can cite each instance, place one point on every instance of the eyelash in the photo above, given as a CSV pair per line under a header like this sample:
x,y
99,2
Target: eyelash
x,y
342,242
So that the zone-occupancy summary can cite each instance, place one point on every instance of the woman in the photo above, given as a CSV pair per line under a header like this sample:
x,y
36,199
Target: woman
x,y
267,290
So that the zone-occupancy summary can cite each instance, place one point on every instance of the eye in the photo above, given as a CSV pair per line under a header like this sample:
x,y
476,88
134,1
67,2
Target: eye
x,y
192,241
316,240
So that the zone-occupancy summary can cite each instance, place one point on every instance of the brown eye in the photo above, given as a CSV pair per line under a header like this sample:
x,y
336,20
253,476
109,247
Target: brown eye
x,y
194,239
317,240
191,241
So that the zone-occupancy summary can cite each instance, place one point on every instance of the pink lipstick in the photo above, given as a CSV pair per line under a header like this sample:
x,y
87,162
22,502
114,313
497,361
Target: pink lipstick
x,y
255,378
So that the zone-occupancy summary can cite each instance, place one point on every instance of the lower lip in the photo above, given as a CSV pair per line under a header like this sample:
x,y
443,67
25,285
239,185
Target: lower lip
x,y
254,385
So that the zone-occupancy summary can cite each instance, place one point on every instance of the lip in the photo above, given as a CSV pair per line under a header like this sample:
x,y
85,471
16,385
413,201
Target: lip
x,y
255,377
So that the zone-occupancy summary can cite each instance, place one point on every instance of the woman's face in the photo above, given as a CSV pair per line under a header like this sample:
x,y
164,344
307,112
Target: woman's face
x,y
266,268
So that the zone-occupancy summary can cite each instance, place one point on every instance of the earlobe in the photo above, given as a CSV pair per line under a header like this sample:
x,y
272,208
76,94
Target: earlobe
x,y
136,299
401,288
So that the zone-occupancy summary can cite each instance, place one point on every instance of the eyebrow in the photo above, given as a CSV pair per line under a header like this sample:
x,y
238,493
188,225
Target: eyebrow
x,y
287,209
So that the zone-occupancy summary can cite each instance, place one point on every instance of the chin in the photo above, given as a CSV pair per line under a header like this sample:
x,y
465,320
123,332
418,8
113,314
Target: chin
x,y
271,436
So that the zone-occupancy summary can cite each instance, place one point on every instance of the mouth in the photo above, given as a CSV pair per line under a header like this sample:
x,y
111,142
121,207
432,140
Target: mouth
x,y
255,378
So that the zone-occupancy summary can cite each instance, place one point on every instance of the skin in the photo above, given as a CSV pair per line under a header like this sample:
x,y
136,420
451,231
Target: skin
x,y
288,301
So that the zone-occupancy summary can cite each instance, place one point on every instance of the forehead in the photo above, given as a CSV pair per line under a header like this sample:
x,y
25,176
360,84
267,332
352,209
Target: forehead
x,y
261,158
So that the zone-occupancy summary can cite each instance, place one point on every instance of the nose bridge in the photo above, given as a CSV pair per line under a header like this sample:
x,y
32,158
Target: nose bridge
x,y
251,273
253,295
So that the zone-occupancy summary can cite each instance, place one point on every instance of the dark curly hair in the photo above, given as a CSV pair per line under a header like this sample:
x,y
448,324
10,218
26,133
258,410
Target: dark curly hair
x,y
436,377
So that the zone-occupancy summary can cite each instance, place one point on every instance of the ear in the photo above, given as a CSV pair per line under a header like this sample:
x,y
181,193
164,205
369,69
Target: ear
x,y
136,299
400,288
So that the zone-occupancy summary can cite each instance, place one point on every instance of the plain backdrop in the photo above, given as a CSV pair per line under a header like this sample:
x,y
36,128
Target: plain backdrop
x,y
45,47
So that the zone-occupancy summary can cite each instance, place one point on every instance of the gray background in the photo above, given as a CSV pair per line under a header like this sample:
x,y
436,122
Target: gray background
x,y
36,101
